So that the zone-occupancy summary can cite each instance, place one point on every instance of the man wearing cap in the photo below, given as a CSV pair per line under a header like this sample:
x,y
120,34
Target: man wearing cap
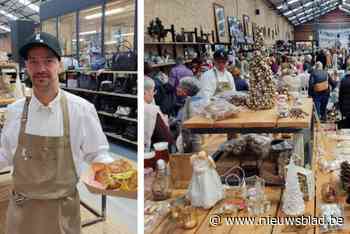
x,y
217,79
46,137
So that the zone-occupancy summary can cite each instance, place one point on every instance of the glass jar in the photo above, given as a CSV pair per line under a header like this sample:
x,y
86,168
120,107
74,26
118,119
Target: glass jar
x,y
161,189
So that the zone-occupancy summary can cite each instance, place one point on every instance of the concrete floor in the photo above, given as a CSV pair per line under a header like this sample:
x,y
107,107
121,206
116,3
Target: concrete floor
x,y
121,212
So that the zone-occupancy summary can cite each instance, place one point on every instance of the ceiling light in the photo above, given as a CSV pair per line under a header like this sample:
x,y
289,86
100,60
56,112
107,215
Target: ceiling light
x,y
346,4
300,14
111,12
308,4
7,29
8,15
81,39
292,1
30,5
87,33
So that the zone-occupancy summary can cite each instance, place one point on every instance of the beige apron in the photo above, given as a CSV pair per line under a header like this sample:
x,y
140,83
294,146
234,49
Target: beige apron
x,y
45,199
222,86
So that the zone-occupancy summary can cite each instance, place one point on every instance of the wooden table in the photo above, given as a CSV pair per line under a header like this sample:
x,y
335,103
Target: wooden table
x,y
264,121
274,194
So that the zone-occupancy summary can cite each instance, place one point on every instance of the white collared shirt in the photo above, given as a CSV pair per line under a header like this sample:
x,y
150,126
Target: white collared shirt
x,y
87,139
209,82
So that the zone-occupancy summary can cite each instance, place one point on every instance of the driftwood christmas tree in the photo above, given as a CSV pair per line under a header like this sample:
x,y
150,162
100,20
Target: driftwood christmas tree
x,y
262,87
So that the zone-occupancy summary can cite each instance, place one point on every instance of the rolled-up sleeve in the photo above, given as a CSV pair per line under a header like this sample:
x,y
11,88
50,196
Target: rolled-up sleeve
x,y
9,130
94,144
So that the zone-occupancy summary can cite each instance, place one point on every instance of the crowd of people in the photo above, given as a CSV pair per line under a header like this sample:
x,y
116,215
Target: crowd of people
x,y
169,98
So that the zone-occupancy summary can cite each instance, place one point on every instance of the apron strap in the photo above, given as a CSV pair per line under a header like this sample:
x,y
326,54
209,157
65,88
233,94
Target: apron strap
x,y
24,119
66,130
64,107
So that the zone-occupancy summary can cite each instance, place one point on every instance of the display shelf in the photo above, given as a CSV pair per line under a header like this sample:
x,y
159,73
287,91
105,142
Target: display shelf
x,y
104,71
101,92
119,137
167,64
177,43
116,116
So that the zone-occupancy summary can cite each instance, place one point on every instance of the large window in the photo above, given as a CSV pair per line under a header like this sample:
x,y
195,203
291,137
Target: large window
x,y
67,34
49,26
90,34
119,24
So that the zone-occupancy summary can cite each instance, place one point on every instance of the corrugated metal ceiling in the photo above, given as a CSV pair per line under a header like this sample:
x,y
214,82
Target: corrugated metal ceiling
x,y
302,11
18,9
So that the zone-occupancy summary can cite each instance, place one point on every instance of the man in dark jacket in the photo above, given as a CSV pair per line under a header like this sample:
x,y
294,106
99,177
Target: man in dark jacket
x,y
321,57
241,84
320,95
344,96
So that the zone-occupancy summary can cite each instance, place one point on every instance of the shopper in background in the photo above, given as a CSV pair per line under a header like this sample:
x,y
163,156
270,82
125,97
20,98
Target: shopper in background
x,y
335,59
319,89
328,60
307,67
164,93
304,81
178,72
46,138
187,142
273,64
244,65
321,57
240,84
156,127
285,63
344,97
217,79
198,67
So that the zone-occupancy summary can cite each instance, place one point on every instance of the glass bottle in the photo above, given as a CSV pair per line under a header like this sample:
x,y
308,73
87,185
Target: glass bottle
x,y
161,185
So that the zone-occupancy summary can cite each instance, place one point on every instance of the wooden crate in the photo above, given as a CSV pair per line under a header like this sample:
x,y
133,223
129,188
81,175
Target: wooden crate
x,y
5,189
181,170
3,211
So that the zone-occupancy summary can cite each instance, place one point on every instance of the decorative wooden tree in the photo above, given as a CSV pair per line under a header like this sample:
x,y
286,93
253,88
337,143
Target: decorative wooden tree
x,y
262,88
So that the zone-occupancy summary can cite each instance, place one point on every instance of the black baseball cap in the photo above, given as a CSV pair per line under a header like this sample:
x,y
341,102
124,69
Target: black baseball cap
x,y
41,39
220,54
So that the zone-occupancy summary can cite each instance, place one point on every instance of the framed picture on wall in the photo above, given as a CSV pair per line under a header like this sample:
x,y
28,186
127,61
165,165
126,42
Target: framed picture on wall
x,y
276,30
246,25
231,24
253,30
264,32
220,24
268,33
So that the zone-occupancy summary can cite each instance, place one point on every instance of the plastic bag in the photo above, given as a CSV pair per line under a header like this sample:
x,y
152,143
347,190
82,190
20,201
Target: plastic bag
x,y
235,146
259,144
236,98
219,109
